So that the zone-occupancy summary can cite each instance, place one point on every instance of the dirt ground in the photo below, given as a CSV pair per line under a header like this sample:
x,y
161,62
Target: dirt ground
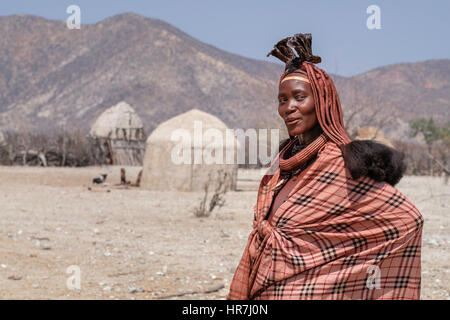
x,y
131,243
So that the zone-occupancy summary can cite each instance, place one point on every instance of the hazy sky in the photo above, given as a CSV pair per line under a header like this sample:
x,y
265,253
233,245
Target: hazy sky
x,y
410,30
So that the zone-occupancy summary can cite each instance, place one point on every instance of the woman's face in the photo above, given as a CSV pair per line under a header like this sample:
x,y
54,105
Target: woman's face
x,y
296,106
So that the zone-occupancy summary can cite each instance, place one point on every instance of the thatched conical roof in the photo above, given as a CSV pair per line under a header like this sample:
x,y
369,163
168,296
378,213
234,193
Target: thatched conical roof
x,y
186,121
118,122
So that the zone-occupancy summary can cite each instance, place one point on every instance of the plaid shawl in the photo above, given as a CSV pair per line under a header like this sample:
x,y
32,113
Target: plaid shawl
x,y
334,238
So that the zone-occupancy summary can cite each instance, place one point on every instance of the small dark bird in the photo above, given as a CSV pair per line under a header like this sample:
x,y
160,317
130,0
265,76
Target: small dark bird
x,y
100,179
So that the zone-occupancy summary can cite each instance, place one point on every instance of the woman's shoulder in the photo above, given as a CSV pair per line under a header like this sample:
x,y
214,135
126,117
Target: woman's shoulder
x,y
330,150
364,158
333,155
367,158
377,187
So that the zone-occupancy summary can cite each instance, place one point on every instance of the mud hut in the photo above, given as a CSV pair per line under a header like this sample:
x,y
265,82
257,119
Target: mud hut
x,y
118,136
189,152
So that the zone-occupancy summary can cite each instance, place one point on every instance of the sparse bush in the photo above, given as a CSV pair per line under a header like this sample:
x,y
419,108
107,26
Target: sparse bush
x,y
217,199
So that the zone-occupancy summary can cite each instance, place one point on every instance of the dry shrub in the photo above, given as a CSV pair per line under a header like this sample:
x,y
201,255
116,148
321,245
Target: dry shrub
x,y
59,147
217,199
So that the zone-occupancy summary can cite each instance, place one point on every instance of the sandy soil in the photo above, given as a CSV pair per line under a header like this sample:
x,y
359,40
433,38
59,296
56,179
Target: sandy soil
x,y
131,243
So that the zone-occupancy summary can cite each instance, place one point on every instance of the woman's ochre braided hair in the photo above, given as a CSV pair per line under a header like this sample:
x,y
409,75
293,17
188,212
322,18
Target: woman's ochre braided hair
x,y
362,157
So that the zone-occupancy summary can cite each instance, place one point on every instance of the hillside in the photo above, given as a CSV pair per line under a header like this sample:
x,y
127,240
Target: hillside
x,y
51,76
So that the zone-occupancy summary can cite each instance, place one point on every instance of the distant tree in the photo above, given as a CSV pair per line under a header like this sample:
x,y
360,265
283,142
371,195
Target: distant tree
x,y
357,114
427,128
444,151
445,134
431,134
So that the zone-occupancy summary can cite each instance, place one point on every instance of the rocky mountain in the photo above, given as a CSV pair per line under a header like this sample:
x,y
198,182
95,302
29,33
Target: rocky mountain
x,y
52,76
399,92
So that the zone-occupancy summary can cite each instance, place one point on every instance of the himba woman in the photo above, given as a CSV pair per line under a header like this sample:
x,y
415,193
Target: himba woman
x,y
328,222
